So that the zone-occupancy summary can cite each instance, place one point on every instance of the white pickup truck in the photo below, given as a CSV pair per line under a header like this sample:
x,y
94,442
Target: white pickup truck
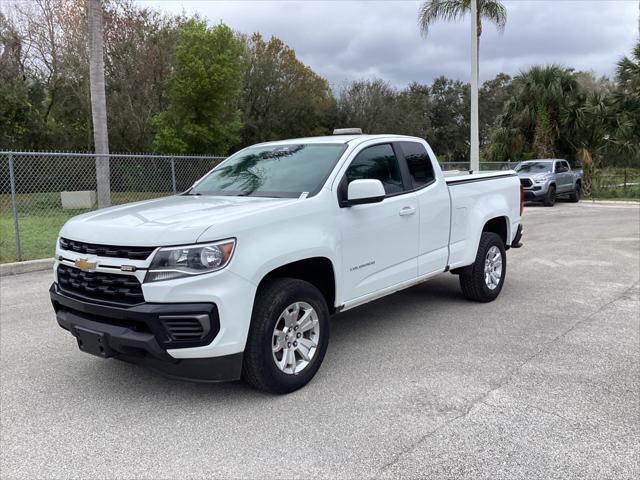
x,y
238,276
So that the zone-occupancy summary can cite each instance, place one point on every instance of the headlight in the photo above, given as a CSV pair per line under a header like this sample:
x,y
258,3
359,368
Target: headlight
x,y
540,179
177,262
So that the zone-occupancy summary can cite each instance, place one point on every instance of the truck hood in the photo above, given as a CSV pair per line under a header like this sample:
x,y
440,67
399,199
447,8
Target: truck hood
x,y
534,175
168,221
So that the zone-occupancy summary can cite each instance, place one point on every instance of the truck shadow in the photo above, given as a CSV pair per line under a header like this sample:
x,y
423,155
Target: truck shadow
x,y
412,306
384,313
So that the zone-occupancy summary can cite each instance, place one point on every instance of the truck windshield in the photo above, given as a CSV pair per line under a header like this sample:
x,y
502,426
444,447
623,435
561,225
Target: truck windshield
x,y
534,167
272,171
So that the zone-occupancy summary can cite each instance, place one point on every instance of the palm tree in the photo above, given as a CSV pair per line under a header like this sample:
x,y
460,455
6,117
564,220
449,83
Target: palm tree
x,y
586,123
626,130
539,97
98,101
451,10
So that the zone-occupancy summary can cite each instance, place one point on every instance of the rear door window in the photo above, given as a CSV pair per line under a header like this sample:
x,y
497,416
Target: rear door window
x,y
418,163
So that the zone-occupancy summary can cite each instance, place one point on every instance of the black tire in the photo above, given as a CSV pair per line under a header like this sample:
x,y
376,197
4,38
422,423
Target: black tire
x,y
575,195
259,368
472,278
550,198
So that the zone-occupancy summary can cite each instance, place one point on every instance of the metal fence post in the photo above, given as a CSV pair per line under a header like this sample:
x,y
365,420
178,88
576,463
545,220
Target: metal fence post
x,y
14,208
173,175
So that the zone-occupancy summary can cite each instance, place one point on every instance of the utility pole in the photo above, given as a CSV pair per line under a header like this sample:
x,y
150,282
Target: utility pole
x,y
98,102
475,136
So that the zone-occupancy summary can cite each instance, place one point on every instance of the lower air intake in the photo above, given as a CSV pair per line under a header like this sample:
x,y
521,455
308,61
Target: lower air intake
x,y
186,327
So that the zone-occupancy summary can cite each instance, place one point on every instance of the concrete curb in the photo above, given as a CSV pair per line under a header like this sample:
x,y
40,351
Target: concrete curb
x,y
17,268
621,202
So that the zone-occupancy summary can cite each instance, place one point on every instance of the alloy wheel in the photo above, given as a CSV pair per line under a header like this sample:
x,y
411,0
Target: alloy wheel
x,y
493,268
295,338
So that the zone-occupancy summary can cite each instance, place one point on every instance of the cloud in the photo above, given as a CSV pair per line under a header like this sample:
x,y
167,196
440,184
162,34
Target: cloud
x,y
347,40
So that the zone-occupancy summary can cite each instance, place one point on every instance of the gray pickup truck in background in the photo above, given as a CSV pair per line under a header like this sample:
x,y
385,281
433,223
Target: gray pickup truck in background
x,y
545,180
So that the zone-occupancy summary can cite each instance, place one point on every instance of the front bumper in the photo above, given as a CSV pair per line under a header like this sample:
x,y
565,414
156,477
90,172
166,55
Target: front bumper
x,y
534,194
141,334
535,191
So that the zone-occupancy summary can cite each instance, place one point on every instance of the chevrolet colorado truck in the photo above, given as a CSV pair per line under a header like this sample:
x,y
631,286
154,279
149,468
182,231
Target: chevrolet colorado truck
x,y
545,180
237,277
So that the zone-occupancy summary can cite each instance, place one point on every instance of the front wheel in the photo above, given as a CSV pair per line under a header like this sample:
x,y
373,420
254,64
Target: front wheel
x,y
288,336
550,197
483,280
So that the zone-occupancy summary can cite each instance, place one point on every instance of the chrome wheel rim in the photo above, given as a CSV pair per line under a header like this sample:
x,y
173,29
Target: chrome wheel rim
x,y
493,268
295,338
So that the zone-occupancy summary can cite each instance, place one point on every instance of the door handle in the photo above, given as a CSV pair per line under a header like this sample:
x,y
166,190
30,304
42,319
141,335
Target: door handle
x,y
407,211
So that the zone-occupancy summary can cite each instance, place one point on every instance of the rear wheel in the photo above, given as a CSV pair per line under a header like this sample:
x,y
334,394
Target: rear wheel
x,y
575,195
482,281
550,198
288,337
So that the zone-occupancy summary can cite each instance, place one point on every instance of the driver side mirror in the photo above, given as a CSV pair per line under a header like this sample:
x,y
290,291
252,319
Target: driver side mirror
x,y
561,169
364,191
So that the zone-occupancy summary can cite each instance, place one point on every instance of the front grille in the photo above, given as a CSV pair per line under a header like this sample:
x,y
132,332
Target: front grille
x,y
525,182
184,328
105,287
133,253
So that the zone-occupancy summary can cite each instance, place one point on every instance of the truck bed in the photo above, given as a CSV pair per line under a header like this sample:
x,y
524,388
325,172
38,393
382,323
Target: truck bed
x,y
475,198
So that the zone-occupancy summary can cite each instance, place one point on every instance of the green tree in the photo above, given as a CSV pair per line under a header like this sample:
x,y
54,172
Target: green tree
x,y
411,112
282,97
203,115
139,49
493,95
449,113
367,104
585,123
625,132
451,10
53,55
533,113
376,107
15,105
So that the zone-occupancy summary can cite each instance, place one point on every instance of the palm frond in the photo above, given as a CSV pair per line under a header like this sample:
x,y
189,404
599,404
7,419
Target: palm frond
x,y
451,10
494,11
446,10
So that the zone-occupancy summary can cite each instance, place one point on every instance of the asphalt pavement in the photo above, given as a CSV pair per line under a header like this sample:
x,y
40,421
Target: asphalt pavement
x,y
542,383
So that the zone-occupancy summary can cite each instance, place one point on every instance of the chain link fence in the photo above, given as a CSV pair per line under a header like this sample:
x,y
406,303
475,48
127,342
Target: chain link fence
x,y
617,183
40,191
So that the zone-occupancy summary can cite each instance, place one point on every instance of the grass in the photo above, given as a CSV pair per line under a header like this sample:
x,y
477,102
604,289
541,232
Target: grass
x,y
38,235
612,187
41,217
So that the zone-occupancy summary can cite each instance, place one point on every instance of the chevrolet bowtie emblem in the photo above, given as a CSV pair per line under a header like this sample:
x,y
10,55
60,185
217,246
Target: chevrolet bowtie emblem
x,y
85,265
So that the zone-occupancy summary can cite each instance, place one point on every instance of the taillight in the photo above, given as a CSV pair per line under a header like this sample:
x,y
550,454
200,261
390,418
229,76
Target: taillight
x,y
521,200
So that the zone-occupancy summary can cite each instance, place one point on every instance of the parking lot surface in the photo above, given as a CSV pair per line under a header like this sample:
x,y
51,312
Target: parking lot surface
x,y
542,383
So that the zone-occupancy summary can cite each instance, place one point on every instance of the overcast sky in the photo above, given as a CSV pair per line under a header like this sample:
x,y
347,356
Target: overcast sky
x,y
347,40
